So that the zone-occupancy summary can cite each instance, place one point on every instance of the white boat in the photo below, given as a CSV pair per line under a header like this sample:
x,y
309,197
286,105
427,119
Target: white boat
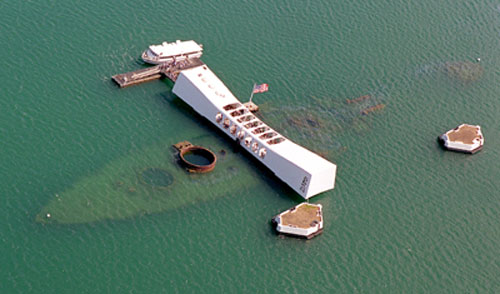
x,y
304,171
170,52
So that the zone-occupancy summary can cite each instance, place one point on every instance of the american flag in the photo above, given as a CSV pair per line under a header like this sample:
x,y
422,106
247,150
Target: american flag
x,y
260,88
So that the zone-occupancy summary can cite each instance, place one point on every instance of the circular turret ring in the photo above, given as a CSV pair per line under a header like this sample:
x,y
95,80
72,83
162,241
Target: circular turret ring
x,y
201,152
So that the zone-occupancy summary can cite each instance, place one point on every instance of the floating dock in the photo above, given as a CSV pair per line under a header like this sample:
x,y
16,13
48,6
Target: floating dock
x,y
304,220
168,70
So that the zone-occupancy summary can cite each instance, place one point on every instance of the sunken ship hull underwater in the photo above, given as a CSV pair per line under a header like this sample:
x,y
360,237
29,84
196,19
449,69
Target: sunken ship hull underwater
x,y
147,181
304,171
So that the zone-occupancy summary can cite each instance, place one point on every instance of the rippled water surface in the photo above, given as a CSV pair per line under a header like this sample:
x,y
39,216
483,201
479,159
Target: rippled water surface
x,y
405,216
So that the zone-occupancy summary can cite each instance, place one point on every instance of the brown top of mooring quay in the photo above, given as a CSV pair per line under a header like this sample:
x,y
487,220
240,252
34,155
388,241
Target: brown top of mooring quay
x,y
464,133
301,216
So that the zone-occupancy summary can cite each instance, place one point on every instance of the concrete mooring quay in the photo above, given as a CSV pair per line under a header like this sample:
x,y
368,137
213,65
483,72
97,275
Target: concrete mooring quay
x,y
169,70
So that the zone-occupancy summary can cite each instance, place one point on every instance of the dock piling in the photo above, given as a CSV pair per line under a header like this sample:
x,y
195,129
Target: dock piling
x,y
168,70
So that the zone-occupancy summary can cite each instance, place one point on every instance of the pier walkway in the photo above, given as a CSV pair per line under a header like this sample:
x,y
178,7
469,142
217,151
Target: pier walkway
x,y
169,70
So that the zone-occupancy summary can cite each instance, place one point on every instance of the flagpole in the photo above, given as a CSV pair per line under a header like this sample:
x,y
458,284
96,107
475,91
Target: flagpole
x,y
251,96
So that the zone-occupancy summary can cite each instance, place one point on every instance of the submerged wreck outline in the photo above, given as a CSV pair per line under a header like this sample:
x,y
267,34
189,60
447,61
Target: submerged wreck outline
x,y
116,191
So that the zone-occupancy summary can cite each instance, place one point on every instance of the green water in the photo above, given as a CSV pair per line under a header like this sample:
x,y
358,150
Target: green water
x,y
405,216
